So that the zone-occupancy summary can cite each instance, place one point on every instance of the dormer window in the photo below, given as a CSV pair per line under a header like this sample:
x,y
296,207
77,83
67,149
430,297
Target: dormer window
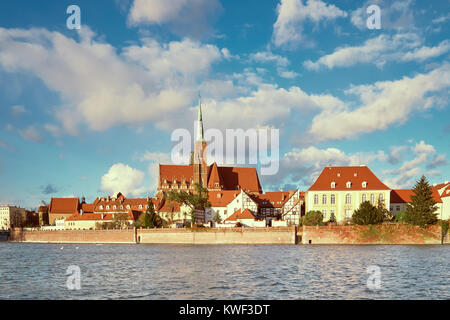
x,y
101,207
349,184
114,207
128,206
140,206
219,195
107,207
355,174
333,185
364,184
338,174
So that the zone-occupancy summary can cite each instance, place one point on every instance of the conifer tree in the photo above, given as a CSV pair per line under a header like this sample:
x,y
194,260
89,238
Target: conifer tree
x,y
421,210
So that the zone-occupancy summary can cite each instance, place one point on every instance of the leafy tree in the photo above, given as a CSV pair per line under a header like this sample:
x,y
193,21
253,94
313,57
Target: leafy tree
x,y
421,210
332,217
216,218
198,200
120,221
312,218
150,219
387,215
367,214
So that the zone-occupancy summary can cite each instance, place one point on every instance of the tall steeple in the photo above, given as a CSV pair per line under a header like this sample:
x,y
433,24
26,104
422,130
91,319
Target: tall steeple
x,y
200,163
199,121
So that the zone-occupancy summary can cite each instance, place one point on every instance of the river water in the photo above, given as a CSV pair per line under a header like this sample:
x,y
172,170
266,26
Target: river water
x,y
38,271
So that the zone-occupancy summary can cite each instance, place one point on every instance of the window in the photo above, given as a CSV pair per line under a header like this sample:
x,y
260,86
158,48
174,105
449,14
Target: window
x,y
128,206
364,184
364,197
114,207
316,199
333,199
324,199
324,213
140,206
121,207
381,197
349,184
101,207
333,185
107,207
348,198
331,213
372,198
397,208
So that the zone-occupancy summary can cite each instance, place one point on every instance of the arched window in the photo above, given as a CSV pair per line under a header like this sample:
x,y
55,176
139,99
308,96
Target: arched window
x,y
348,198
333,199
140,206
333,185
381,197
364,184
324,199
349,184
107,207
101,207
128,206
372,198
364,197
114,207
316,199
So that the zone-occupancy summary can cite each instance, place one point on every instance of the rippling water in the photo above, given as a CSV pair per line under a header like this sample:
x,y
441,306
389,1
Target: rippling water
x,y
38,271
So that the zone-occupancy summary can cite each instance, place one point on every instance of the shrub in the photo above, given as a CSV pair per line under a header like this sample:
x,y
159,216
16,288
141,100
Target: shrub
x,y
400,217
367,214
313,218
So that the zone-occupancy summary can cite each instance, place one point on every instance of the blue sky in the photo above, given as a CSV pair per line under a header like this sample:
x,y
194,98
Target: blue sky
x,y
91,111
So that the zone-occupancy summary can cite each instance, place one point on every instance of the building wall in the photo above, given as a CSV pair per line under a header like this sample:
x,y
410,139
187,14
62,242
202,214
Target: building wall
x,y
58,216
242,201
343,211
9,215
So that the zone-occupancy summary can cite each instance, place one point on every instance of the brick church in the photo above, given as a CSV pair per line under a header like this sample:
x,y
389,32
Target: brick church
x,y
212,177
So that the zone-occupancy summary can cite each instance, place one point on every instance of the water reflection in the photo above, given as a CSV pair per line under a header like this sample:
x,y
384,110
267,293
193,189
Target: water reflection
x,y
37,271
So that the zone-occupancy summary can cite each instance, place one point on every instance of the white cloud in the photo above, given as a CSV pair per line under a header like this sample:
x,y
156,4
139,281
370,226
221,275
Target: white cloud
x,y
18,110
280,62
183,17
123,178
395,15
425,157
30,133
383,104
103,88
292,14
379,50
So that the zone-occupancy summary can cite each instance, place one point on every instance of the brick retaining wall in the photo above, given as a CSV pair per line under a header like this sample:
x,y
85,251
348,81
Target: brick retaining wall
x,y
379,234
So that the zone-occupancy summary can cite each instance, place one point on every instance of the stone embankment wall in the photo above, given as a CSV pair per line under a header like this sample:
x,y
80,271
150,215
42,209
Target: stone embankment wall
x,y
75,236
274,235
377,234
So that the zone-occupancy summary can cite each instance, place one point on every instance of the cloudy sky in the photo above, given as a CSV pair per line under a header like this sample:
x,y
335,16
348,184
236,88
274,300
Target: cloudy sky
x,y
91,111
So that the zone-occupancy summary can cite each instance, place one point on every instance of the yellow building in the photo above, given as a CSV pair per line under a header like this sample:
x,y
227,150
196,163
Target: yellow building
x,y
339,191
11,216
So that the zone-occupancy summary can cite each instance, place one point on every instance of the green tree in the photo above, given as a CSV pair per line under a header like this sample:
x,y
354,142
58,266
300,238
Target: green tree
x,y
332,217
367,214
400,217
216,218
312,218
198,200
149,218
421,210
120,221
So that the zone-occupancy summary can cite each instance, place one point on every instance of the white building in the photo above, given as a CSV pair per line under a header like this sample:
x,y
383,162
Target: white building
x,y
339,191
11,217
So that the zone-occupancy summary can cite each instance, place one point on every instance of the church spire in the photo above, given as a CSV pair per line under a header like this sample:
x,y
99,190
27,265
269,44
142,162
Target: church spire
x,y
200,121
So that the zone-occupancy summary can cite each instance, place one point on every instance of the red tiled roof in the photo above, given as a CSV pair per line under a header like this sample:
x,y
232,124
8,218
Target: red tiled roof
x,y
226,196
231,178
404,195
272,199
63,205
246,214
131,215
342,175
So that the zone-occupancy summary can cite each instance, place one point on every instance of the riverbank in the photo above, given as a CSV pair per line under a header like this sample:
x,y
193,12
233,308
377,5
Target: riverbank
x,y
349,234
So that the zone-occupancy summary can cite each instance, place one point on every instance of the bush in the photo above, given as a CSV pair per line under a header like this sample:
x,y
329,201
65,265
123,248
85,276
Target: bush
x,y
313,218
367,214
400,217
